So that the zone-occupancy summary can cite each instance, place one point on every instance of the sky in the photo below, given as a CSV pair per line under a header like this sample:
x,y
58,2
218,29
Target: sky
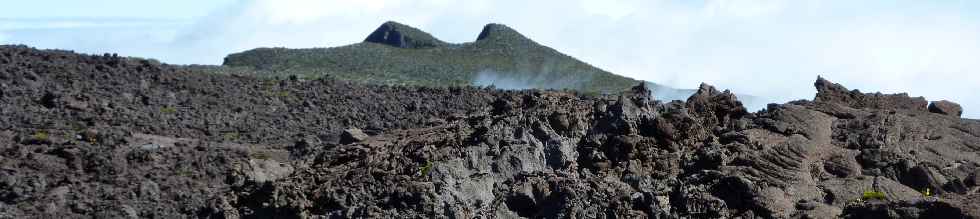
x,y
774,49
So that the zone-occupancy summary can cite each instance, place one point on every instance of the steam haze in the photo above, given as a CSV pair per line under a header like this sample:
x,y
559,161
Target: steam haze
x,y
770,49
524,80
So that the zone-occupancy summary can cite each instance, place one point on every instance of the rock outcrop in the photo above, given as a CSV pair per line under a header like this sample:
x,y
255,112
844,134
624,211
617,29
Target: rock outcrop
x,y
403,36
829,92
226,146
495,31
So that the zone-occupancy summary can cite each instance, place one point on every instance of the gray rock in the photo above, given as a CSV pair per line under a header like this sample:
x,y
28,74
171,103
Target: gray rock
x,y
352,135
263,170
149,190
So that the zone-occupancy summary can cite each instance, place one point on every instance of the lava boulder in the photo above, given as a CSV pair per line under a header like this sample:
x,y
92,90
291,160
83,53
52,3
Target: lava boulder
x,y
946,107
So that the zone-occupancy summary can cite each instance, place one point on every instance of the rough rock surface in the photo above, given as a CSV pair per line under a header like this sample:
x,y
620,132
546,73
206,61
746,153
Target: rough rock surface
x,y
835,93
946,107
102,136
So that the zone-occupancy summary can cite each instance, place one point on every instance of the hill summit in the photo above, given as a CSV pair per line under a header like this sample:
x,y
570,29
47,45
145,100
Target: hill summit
x,y
494,31
403,36
399,54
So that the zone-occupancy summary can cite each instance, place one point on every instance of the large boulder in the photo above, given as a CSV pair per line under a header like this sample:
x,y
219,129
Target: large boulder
x,y
352,135
946,107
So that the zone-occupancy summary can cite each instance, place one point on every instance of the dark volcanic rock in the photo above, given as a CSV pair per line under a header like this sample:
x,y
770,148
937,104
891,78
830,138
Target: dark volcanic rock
x,y
946,108
715,107
103,136
829,92
399,35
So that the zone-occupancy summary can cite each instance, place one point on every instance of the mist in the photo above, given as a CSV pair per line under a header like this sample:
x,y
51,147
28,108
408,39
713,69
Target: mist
x,y
525,80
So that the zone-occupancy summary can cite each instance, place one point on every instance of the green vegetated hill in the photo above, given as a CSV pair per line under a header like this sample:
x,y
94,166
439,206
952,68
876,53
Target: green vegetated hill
x,y
403,55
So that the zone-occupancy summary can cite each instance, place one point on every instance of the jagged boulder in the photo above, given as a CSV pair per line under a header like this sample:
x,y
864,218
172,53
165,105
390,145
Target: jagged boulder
x,y
403,36
946,107
715,107
829,92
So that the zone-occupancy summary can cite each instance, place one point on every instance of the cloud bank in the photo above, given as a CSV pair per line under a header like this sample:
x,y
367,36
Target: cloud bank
x,y
768,48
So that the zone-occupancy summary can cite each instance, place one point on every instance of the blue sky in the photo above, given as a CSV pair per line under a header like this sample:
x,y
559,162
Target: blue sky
x,y
769,48
169,9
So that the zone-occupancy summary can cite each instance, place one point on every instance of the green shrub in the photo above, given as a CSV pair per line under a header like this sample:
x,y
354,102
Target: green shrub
x,y
424,170
40,136
869,195
168,110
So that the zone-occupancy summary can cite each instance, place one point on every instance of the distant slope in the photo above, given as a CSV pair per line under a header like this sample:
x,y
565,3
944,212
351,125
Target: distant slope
x,y
399,54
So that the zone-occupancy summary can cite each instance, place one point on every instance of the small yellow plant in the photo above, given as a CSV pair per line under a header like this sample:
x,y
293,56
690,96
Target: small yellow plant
x,y
40,136
927,192
869,195
168,110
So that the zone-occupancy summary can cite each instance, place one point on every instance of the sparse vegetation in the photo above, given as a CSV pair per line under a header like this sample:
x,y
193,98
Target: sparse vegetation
x,y
231,136
260,155
873,195
424,170
40,137
92,139
168,110
184,172
510,55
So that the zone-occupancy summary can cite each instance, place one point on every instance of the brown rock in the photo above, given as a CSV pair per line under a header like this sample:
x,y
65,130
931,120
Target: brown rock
x,y
830,92
946,107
